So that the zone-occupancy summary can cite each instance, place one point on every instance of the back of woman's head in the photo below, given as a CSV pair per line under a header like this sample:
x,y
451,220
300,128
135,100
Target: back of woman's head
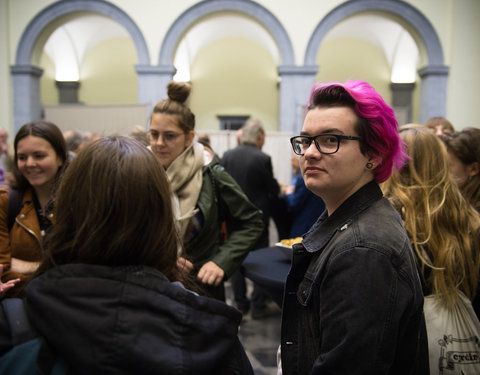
x,y
435,121
175,105
442,226
47,131
465,145
114,209
428,161
377,125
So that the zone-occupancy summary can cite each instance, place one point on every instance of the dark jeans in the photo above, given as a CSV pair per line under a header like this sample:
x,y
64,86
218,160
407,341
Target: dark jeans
x,y
239,287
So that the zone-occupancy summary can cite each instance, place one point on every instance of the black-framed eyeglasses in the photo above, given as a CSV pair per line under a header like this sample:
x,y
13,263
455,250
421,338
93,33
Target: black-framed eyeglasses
x,y
325,143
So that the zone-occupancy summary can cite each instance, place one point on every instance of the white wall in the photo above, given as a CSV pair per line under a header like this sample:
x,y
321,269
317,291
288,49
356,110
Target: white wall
x,y
104,120
277,145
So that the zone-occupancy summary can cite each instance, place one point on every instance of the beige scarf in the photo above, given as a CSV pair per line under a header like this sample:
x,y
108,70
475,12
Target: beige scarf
x,y
185,175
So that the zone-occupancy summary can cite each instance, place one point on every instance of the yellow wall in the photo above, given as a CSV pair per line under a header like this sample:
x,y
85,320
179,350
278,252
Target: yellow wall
x,y
234,76
463,108
20,13
6,115
107,74
342,59
154,18
48,90
455,22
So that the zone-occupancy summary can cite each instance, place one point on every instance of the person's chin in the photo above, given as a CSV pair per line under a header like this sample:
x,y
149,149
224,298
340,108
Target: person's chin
x,y
37,184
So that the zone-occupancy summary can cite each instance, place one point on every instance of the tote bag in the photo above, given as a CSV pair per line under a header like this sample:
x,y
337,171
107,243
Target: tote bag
x,y
453,336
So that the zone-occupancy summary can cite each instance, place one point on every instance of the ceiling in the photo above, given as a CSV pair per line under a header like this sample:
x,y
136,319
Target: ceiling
x,y
67,45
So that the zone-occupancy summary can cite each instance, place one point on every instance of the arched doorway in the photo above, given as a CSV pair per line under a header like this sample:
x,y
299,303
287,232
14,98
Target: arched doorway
x,y
433,73
27,104
262,16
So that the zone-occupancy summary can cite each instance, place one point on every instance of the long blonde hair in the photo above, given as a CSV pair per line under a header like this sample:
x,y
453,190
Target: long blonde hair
x,y
443,227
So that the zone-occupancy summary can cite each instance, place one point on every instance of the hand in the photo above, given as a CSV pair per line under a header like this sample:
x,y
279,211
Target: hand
x,y
184,265
8,285
210,274
288,189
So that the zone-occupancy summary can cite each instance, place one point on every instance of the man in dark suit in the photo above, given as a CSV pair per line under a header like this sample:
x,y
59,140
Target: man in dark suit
x,y
252,169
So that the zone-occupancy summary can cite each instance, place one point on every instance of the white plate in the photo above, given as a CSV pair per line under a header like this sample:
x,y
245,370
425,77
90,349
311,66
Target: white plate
x,y
279,244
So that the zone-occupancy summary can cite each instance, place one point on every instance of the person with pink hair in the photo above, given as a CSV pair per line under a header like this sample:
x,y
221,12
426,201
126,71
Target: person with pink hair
x,y
353,301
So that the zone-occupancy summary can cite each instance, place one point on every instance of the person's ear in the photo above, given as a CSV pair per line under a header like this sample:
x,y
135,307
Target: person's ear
x,y
374,161
473,168
189,138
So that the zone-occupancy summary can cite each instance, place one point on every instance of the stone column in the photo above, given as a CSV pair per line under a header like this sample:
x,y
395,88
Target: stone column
x,y
434,91
26,94
295,85
152,83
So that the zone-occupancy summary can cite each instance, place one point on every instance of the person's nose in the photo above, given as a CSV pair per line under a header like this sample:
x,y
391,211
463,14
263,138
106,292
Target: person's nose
x,y
160,141
312,151
30,162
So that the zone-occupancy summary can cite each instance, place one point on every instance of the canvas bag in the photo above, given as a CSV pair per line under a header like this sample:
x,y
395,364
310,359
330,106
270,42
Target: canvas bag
x,y
453,336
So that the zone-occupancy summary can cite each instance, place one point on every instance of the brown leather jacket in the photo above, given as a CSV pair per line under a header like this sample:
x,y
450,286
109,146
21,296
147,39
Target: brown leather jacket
x,y
24,242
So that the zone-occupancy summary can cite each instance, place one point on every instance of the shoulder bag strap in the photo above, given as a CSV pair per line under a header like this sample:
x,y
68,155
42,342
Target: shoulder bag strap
x,y
14,206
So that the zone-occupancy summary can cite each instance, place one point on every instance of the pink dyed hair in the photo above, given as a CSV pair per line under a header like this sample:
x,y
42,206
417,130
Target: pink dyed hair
x,y
378,126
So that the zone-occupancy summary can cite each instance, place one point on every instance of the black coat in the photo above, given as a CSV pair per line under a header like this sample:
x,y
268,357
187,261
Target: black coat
x,y
252,169
131,320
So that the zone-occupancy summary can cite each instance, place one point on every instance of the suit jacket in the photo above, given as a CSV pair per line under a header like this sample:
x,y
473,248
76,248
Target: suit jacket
x,y
252,169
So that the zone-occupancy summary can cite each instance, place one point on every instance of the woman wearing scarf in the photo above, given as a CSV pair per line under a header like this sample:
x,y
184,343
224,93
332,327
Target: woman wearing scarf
x,y
204,196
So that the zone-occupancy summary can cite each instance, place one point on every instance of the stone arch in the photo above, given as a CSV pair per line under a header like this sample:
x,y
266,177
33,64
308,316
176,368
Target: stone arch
x,y
434,76
247,7
26,77
203,8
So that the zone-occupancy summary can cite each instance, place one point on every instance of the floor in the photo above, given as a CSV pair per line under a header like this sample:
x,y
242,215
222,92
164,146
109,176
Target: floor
x,y
260,338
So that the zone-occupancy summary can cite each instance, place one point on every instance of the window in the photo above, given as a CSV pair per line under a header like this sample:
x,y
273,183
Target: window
x,y
232,122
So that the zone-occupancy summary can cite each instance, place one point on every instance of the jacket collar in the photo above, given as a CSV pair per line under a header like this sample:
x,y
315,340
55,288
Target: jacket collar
x,y
326,226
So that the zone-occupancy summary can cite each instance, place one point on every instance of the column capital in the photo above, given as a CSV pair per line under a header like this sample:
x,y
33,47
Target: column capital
x,y
439,70
26,69
156,69
297,70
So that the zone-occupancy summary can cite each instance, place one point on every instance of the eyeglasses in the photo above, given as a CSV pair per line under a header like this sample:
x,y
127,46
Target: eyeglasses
x,y
325,143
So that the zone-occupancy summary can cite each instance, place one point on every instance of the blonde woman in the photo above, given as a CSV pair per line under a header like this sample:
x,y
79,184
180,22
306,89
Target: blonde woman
x,y
443,228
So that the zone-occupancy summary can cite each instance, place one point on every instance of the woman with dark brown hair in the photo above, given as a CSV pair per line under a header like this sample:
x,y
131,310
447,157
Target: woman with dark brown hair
x,y
109,298
27,211
464,156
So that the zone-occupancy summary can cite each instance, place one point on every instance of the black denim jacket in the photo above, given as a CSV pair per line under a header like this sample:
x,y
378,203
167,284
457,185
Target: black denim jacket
x,y
353,300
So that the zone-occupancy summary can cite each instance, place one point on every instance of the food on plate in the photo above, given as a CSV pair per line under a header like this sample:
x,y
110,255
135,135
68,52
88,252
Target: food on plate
x,y
291,241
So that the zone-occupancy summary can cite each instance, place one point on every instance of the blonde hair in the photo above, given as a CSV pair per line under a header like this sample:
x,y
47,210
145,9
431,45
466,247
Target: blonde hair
x,y
442,226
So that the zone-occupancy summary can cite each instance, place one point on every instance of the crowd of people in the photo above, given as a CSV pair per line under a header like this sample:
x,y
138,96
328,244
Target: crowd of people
x,y
114,251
